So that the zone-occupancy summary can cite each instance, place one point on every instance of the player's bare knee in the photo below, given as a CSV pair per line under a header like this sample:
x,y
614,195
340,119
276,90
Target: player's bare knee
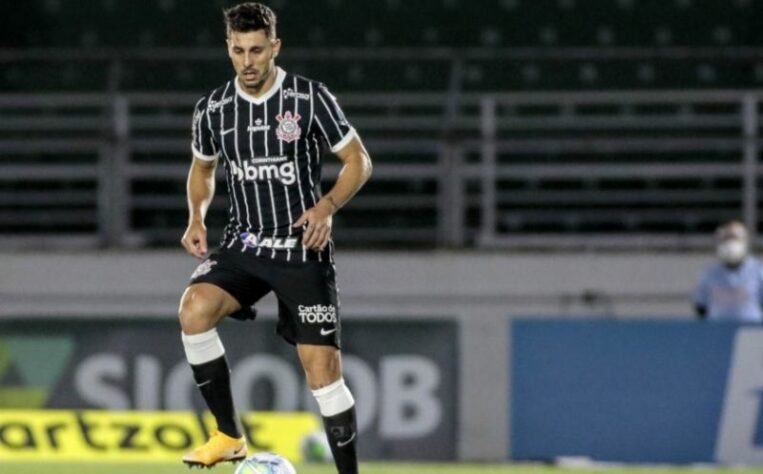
x,y
193,322
321,372
195,314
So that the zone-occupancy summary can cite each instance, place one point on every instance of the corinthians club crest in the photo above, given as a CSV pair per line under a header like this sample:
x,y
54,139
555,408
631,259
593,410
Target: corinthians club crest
x,y
288,127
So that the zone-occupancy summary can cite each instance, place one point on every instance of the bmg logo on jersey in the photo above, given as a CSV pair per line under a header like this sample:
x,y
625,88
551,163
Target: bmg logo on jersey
x,y
317,314
265,169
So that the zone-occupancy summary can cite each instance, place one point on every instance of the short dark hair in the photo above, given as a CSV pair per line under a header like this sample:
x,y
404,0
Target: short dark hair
x,y
250,16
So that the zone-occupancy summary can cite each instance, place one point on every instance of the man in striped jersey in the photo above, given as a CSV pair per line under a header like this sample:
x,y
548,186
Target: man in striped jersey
x,y
268,127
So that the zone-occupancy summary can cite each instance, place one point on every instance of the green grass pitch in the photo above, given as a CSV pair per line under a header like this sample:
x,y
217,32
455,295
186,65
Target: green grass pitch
x,y
366,468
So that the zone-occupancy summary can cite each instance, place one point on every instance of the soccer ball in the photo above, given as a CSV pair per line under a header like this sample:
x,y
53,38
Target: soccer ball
x,y
265,463
315,447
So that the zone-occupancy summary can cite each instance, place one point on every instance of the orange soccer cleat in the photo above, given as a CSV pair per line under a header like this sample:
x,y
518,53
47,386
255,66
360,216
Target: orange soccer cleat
x,y
219,448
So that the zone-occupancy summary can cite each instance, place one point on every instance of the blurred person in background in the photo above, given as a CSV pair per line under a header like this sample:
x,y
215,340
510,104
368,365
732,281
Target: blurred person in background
x,y
731,288
269,128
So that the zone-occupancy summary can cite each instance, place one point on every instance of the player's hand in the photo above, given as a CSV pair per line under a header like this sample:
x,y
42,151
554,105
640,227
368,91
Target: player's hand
x,y
195,239
317,222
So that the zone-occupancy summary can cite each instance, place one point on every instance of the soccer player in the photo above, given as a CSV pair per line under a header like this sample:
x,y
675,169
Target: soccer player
x,y
268,128
731,289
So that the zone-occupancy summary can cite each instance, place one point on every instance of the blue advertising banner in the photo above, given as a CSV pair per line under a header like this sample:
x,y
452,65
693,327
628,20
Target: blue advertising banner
x,y
674,392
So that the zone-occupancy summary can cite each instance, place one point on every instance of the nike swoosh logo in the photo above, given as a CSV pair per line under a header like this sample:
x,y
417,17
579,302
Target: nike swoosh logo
x,y
326,332
341,444
203,383
225,132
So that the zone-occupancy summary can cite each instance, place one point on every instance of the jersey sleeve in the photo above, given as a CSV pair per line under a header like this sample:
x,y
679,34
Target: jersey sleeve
x,y
332,124
203,142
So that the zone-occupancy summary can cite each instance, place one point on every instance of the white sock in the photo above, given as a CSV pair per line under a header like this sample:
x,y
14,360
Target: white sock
x,y
204,347
334,398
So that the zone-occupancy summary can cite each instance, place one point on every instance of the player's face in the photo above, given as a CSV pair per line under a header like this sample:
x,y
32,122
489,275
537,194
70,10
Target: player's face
x,y
253,55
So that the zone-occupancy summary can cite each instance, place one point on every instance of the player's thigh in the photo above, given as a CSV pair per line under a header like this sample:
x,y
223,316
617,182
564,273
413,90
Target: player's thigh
x,y
203,305
322,364
220,286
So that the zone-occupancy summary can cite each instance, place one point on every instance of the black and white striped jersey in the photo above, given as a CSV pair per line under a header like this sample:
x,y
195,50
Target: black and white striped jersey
x,y
271,148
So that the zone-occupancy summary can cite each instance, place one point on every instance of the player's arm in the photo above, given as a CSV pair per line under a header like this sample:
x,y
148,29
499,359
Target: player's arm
x,y
200,189
356,170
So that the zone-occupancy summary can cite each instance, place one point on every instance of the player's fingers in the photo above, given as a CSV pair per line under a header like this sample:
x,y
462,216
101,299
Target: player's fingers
x,y
307,240
195,243
185,242
309,235
324,238
199,254
201,243
302,220
318,236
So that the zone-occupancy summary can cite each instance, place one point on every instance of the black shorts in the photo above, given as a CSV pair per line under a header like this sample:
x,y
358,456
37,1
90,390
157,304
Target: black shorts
x,y
308,307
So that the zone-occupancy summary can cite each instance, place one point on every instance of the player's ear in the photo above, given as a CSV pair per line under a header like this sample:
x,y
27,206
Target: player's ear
x,y
276,47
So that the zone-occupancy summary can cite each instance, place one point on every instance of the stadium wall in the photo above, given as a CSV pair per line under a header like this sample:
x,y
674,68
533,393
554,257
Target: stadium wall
x,y
480,292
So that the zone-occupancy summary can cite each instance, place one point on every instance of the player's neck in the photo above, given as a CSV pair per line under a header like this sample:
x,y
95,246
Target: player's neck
x,y
264,87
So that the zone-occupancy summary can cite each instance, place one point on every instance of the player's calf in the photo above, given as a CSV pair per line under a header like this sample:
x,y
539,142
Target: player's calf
x,y
337,407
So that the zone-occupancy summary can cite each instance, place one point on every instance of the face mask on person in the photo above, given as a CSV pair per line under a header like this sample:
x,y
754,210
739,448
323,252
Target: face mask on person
x,y
732,251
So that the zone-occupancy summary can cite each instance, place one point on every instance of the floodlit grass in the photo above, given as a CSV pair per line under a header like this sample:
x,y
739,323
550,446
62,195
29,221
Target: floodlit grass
x,y
366,468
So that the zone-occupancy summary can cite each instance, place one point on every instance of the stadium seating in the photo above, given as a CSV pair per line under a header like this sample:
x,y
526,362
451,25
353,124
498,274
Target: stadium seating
x,y
411,75
398,23
658,30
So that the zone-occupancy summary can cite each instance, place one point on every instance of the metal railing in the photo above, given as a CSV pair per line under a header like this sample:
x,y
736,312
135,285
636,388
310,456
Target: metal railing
x,y
574,169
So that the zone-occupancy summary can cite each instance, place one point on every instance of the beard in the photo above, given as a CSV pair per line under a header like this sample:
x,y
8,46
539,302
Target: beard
x,y
257,81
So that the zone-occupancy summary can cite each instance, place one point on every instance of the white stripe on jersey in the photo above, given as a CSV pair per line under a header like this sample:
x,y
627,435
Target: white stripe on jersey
x,y
307,148
254,183
328,112
285,188
232,183
270,187
211,133
325,135
241,166
318,161
197,131
296,165
275,219
317,148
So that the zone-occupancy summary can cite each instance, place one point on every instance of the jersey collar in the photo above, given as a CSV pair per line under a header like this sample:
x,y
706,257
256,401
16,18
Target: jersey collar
x,y
280,76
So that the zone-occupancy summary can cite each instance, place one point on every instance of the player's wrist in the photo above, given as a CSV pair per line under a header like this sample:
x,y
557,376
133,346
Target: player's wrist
x,y
329,203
